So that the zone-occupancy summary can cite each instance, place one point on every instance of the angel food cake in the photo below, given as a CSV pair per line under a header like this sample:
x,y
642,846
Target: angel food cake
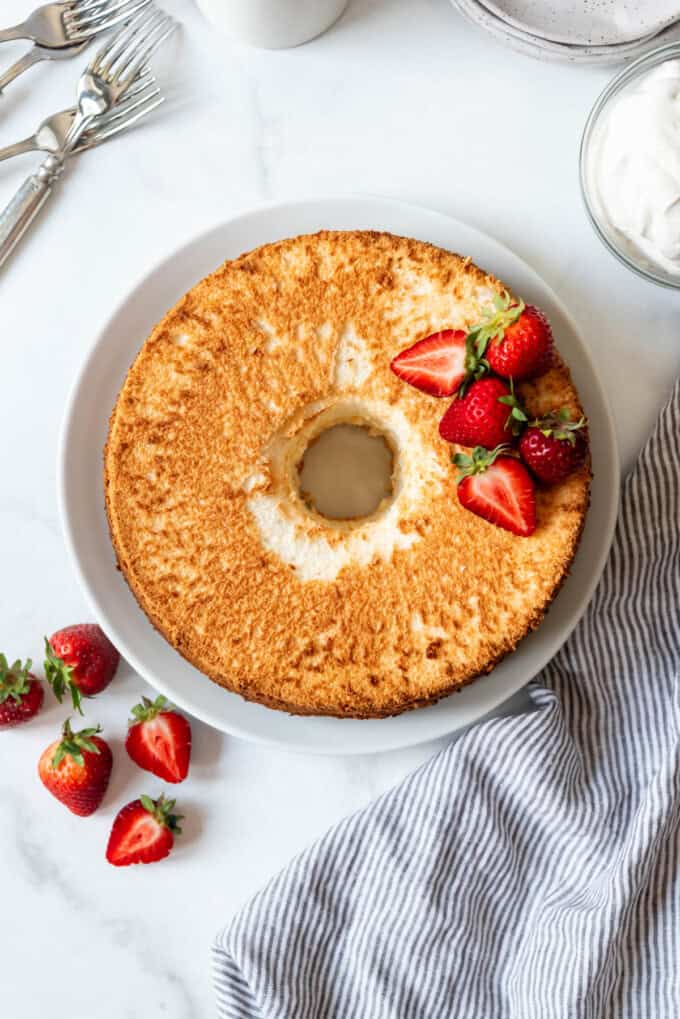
x,y
229,414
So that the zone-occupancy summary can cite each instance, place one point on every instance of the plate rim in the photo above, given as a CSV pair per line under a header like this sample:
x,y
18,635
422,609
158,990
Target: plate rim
x,y
402,739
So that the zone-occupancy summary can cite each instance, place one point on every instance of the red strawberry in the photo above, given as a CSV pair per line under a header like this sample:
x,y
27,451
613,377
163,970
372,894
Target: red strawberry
x,y
21,694
482,417
522,344
513,340
76,769
143,832
497,487
159,740
436,364
81,660
554,446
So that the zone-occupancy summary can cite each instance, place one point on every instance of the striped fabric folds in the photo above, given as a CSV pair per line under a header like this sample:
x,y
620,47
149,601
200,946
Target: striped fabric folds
x,y
531,869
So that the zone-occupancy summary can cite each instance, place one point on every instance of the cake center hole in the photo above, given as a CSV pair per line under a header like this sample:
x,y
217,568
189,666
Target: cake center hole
x,y
346,472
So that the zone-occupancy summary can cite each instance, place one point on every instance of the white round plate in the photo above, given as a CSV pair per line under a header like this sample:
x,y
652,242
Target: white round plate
x,y
82,502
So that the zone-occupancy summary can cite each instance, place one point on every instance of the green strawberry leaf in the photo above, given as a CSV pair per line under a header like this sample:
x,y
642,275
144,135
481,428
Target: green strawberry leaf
x,y
480,460
59,675
148,709
74,743
14,679
498,316
162,810
517,416
559,425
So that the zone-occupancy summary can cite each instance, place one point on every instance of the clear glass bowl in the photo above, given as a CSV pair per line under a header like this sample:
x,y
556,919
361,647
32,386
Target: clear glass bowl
x,y
616,243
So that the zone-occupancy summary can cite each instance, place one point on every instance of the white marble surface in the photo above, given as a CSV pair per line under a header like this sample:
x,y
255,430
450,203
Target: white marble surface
x,y
400,98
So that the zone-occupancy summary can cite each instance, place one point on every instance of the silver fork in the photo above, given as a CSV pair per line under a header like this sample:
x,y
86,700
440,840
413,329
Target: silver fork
x,y
108,77
74,21
60,31
36,55
139,101
113,70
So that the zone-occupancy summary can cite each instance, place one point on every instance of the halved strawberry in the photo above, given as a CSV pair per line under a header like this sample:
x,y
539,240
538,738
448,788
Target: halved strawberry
x,y
21,694
143,832
497,487
436,364
159,739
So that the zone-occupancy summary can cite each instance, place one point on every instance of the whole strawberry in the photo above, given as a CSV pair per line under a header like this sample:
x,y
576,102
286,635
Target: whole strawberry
x,y
76,769
497,487
21,694
554,446
80,660
488,415
159,739
143,832
522,349
513,340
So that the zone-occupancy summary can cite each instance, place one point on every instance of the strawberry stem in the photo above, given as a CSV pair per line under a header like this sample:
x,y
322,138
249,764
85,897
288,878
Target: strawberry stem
x,y
517,417
162,810
58,675
480,460
495,320
148,709
14,679
73,744
476,365
559,425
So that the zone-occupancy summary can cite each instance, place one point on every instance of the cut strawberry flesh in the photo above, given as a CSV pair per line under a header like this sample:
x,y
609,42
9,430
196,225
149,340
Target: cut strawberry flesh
x,y
142,840
434,365
504,495
160,739
162,745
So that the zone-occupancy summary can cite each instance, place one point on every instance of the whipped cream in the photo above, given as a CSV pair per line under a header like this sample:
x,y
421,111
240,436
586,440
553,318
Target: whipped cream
x,y
634,168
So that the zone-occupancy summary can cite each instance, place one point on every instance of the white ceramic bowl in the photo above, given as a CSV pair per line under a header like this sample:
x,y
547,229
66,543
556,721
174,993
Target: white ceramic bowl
x,y
615,243
272,24
84,517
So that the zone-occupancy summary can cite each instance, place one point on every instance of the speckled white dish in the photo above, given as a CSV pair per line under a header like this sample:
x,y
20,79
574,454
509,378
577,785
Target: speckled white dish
x,y
611,42
82,502
588,22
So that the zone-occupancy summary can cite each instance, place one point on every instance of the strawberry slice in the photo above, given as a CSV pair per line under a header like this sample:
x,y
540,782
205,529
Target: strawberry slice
x,y
159,740
143,832
497,487
436,364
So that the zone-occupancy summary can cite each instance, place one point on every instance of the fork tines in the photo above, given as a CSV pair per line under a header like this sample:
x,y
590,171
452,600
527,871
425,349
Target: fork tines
x,y
90,17
139,101
129,51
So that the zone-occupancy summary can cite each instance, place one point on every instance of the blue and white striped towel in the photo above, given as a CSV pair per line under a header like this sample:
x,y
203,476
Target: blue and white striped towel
x,y
531,869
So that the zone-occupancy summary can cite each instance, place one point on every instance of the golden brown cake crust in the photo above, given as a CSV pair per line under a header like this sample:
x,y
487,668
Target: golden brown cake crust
x,y
265,599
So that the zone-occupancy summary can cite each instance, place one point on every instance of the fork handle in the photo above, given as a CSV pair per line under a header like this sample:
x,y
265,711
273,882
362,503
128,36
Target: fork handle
x,y
18,149
15,32
33,56
16,218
